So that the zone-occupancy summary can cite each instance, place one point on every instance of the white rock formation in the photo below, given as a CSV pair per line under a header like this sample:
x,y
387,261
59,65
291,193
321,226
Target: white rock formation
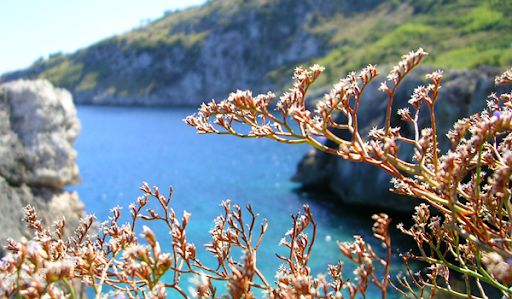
x,y
38,125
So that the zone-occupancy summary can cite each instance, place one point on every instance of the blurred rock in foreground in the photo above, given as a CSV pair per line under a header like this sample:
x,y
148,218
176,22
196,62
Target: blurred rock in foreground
x,y
38,125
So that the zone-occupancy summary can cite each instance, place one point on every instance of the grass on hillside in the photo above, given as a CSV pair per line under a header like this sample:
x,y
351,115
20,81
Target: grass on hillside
x,y
460,33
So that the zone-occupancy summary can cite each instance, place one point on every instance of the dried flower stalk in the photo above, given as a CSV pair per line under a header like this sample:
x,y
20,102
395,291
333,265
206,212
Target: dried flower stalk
x,y
47,265
469,185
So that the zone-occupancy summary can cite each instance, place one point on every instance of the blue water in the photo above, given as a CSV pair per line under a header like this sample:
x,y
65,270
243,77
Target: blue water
x,y
119,148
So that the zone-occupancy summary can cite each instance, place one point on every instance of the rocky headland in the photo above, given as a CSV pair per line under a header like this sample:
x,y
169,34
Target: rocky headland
x,y
38,125
188,57
204,52
463,93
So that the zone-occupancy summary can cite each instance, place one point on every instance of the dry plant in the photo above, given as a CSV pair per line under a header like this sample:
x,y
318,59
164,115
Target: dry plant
x,y
49,265
469,188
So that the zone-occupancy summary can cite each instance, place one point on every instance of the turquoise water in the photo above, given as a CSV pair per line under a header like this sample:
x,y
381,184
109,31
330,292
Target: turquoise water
x,y
119,148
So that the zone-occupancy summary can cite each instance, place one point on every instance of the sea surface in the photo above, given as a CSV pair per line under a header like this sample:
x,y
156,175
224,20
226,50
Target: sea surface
x,y
121,147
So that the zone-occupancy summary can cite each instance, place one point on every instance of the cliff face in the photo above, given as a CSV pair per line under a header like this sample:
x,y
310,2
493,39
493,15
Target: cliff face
x,y
191,56
463,93
38,125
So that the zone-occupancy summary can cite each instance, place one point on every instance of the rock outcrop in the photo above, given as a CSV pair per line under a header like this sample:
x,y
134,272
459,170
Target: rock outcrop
x,y
463,93
38,125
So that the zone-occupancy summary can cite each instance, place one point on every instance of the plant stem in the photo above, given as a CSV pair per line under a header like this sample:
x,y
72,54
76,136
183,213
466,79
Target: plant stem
x,y
70,288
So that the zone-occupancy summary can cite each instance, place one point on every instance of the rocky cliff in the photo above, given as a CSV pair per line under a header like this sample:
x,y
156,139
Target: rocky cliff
x,y
38,125
191,56
463,93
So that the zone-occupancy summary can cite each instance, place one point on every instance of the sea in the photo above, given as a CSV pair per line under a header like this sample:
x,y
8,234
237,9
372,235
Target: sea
x,y
119,148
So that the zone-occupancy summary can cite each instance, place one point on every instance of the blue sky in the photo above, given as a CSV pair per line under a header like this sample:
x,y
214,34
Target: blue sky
x,y
30,29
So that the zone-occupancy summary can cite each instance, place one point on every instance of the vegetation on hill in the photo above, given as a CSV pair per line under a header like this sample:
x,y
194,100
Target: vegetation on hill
x,y
460,33
207,51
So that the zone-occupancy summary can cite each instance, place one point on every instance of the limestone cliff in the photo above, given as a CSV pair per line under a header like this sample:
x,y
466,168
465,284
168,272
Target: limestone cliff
x,y
38,125
190,56
195,55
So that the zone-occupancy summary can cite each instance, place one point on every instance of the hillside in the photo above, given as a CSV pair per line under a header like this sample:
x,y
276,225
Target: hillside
x,y
205,52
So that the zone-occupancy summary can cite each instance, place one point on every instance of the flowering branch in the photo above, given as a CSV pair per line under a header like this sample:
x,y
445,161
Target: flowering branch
x,y
469,185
